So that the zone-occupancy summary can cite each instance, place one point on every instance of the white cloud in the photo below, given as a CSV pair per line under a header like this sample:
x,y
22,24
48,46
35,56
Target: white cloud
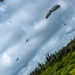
x,y
5,59
18,24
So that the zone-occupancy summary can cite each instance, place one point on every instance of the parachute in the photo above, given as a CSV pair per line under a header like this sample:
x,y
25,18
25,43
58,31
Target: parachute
x,y
1,0
54,8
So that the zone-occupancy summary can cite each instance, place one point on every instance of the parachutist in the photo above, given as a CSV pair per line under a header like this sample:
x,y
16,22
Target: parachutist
x,y
4,12
65,24
27,40
17,59
10,21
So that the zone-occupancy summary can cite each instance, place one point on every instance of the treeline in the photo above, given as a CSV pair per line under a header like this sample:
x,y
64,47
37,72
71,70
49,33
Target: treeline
x,y
52,58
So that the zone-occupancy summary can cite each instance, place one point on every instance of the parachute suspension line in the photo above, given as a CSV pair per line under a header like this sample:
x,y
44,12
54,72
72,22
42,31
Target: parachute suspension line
x,y
60,18
3,16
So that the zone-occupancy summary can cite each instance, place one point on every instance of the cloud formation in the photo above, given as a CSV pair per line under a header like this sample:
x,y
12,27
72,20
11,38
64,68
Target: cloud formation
x,y
22,19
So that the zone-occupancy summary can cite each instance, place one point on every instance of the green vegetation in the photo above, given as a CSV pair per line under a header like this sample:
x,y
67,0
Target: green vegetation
x,y
60,63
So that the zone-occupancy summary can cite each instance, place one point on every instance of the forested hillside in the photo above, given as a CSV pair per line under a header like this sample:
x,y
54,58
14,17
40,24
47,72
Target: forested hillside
x,y
59,63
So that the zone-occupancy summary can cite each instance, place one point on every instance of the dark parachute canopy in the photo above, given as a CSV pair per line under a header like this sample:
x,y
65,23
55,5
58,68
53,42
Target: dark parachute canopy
x,y
54,8
1,0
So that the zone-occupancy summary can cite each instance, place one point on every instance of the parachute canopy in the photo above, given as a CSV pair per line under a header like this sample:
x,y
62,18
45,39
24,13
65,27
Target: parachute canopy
x,y
1,0
54,8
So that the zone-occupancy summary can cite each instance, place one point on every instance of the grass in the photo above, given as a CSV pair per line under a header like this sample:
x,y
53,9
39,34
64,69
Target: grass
x,y
66,66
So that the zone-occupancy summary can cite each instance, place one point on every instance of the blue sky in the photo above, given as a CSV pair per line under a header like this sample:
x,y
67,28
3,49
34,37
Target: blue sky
x,y
22,19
